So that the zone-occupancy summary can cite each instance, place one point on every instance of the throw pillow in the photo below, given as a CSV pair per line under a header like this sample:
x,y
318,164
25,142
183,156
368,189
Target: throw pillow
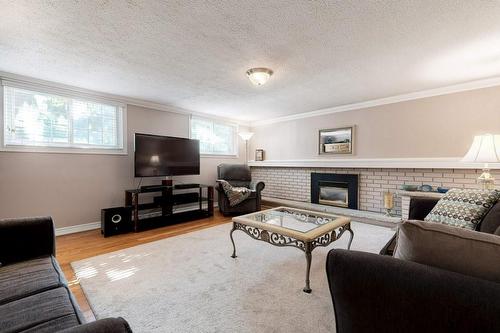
x,y
235,195
463,208
459,250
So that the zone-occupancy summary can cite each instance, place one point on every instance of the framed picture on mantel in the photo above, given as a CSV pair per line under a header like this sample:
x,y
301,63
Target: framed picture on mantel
x,y
334,141
259,154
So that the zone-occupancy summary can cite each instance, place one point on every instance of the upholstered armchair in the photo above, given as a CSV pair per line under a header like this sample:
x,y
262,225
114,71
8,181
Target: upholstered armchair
x,y
238,175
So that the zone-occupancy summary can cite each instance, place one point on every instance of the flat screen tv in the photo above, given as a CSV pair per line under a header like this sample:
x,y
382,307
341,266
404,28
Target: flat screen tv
x,y
157,156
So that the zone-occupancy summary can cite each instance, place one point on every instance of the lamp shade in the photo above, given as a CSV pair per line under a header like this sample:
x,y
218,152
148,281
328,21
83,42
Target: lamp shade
x,y
245,135
484,149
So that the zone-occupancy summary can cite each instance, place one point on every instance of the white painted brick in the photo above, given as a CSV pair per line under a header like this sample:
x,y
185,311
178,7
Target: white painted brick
x,y
432,174
414,174
465,181
294,183
423,179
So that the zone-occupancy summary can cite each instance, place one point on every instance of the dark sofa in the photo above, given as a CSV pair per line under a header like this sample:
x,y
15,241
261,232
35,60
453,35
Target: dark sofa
x,y
374,293
238,175
34,295
380,293
421,207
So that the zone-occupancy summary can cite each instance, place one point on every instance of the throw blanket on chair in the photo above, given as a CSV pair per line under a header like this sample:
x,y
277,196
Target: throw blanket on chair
x,y
235,195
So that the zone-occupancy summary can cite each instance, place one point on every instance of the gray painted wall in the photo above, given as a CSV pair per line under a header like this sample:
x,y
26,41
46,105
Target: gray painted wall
x,y
72,188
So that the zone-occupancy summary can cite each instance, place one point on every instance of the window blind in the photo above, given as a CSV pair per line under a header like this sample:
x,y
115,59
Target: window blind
x,y
215,138
46,120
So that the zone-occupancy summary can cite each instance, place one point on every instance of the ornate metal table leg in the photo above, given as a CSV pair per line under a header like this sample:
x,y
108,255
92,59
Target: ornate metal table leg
x,y
232,241
351,237
307,251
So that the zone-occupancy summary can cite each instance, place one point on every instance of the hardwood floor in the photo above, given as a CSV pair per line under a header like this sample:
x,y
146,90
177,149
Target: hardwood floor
x,y
88,244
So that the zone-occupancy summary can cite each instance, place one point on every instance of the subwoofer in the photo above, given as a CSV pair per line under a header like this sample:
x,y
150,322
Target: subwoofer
x,y
117,220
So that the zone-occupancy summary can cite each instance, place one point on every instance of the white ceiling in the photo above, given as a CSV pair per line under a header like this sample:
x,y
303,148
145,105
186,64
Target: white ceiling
x,y
194,54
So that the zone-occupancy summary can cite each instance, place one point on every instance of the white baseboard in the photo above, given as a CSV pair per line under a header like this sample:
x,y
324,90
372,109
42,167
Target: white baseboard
x,y
77,228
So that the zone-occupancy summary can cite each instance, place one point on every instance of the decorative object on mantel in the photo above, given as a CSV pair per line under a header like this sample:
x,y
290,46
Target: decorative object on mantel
x,y
442,189
425,188
246,136
388,203
484,149
259,154
336,140
405,187
422,188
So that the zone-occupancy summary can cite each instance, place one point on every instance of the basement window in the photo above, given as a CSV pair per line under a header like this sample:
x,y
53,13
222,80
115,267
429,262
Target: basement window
x,y
41,121
216,138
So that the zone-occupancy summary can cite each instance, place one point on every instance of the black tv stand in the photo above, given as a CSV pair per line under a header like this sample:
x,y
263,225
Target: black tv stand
x,y
152,188
183,186
169,207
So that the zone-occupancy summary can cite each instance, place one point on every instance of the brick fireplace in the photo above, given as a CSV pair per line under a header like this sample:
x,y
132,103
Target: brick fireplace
x,y
294,183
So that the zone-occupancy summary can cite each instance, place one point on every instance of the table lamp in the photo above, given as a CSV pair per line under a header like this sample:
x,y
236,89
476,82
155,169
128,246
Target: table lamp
x,y
484,149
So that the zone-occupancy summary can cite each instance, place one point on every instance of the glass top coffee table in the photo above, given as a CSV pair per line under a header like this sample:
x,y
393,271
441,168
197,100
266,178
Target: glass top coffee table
x,y
283,226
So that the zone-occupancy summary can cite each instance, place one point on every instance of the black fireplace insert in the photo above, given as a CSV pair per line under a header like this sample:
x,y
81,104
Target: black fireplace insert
x,y
340,190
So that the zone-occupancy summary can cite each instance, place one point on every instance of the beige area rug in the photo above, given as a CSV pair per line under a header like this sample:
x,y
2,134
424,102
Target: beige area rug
x,y
190,283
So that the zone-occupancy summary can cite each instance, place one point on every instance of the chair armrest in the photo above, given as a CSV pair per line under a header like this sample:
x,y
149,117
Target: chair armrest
x,y
420,207
392,295
26,238
221,194
108,325
257,186
388,249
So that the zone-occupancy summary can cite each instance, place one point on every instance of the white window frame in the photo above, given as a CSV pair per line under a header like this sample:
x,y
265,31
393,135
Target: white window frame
x,y
76,149
220,122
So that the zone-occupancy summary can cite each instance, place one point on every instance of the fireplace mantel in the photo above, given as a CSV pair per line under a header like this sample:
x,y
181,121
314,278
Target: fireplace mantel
x,y
412,163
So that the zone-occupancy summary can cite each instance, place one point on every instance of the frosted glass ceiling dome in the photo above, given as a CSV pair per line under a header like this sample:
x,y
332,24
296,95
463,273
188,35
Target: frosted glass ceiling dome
x,y
259,76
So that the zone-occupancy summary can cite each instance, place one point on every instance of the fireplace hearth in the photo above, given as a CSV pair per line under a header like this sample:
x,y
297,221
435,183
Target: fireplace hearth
x,y
340,190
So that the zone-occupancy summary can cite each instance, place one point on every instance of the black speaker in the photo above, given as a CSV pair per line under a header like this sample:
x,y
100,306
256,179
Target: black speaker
x,y
117,220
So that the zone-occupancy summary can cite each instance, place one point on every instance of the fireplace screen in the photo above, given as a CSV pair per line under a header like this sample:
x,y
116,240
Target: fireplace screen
x,y
334,196
335,189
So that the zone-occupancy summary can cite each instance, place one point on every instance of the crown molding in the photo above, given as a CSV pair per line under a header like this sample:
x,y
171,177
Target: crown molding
x,y
370,163
472,85
99,96
33,83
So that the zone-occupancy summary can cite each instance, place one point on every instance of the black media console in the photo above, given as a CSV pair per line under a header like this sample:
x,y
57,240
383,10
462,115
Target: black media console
x,y
157,206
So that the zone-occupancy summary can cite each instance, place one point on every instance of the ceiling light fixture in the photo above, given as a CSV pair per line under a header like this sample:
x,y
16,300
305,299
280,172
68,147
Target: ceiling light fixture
x,y
259,76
